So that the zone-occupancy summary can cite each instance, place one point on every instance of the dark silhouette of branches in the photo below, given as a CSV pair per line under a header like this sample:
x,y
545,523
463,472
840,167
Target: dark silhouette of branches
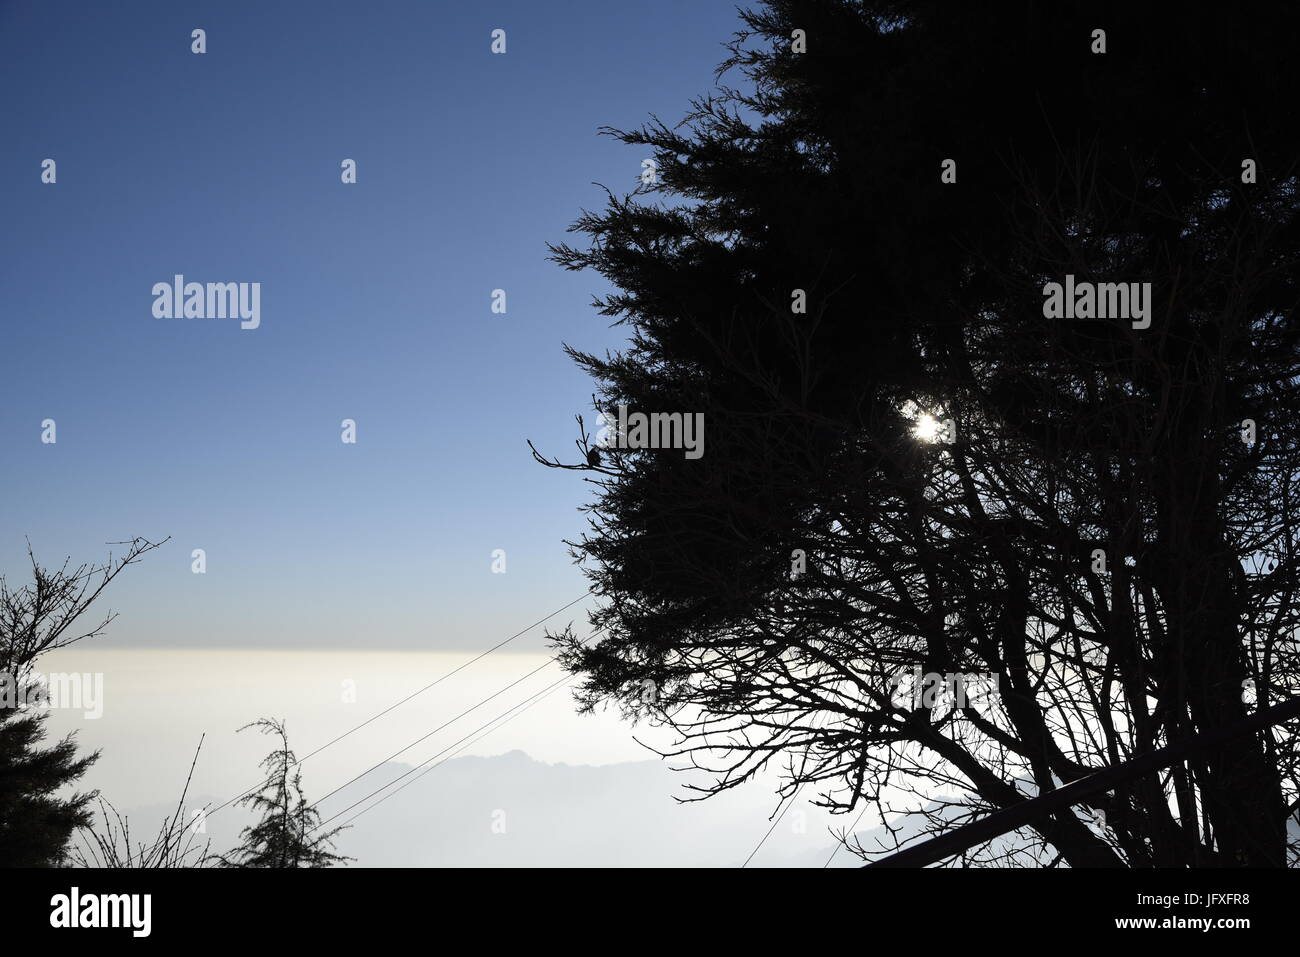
x,y
285,834
39,616
920,473
36,824
177,843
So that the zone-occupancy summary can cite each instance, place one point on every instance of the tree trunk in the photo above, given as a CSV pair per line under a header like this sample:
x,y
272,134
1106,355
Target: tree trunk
x,y
1201,660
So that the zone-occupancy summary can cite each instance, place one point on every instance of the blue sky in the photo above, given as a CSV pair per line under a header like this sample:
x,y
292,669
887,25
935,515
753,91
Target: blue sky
x,y
375,301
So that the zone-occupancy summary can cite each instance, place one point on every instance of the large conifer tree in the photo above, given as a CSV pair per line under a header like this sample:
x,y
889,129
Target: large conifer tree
x,y
1093,512
36,823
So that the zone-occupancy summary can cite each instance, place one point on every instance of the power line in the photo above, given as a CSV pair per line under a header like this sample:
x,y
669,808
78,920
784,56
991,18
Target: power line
x,y
454,671
497,693
835,850
474,707
794,797
398,704
518,709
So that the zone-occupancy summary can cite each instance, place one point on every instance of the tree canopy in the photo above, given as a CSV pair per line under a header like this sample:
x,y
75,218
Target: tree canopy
x,y
912,468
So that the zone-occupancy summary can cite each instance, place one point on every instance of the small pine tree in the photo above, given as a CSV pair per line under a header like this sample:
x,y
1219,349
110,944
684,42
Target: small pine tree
x,y
36,826
284,836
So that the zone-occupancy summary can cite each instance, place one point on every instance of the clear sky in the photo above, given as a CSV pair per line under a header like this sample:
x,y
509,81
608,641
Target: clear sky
x,y
375,301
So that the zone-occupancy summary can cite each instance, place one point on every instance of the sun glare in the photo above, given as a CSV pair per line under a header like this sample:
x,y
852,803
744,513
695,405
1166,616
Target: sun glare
x,y
927,427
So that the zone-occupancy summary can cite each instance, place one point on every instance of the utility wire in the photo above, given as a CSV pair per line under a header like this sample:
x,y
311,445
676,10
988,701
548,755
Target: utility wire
x,y
375,767
380,714
478,657
429,734
794,797
518,709
835,850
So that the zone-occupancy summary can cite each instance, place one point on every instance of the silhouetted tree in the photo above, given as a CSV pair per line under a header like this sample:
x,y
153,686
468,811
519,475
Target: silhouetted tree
x,y
286,832
41,616
1069,507
35,823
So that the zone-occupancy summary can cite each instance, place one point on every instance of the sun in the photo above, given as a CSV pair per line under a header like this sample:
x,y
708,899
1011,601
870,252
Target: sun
x,y
927,428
